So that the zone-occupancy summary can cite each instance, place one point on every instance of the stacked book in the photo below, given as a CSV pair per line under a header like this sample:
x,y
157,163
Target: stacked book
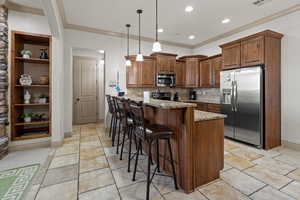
x,y
3,81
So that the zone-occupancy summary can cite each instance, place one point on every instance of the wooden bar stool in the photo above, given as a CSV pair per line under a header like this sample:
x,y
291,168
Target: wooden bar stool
x,y
111,111
148,134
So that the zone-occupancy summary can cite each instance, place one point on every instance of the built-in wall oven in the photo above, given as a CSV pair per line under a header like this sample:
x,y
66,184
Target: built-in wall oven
x,y
166,80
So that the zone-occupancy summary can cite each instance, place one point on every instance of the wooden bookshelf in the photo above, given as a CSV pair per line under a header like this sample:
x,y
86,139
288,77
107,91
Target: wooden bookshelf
x,y
33,60
35,67
32,104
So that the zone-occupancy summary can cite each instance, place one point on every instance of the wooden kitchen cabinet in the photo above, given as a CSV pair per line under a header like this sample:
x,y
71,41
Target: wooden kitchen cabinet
x,y
165,62
216,63
141,74
147,72
231,55
179,71
263,48
252,51
205,74
192,70
132,75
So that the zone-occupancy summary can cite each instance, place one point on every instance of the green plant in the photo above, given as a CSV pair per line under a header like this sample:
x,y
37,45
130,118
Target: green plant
x,y
25,115
26,52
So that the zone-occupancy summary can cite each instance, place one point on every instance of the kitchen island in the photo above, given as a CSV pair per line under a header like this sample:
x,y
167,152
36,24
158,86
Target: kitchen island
x,y
197,143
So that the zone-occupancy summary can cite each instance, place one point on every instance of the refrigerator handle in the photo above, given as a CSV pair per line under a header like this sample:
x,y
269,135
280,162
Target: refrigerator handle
x,y
236,97
232,97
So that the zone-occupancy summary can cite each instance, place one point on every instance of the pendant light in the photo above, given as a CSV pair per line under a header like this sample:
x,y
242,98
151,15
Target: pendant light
x,y
139,57
128,61
156,45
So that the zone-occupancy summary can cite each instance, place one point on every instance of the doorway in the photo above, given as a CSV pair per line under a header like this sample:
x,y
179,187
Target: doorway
x,y
88,88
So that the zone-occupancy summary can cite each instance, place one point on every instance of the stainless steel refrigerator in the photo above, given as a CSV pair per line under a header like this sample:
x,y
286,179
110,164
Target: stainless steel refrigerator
x,y
242,97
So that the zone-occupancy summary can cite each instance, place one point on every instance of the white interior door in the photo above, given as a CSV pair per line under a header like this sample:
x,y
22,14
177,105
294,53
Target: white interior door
x,y
85,90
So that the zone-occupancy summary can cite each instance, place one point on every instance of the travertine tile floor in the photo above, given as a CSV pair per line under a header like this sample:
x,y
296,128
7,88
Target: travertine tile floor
x,y
87,168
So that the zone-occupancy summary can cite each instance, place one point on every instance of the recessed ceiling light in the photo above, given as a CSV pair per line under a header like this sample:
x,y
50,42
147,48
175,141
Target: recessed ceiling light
x,y
226,20
191,37
189,9
101,51
160,30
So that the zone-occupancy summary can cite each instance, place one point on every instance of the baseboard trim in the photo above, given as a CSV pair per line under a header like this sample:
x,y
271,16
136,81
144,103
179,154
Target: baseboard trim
x,y
27,146
68,134
56,144
290,145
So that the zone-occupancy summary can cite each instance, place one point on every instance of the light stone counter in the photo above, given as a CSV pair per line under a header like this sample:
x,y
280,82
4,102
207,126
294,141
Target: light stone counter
x,y
204,116
162,103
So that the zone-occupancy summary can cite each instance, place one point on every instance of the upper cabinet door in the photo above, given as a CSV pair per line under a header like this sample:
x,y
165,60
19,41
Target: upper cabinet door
x,y
217,68
252,51
205,79
148,72
179,71
231,56
132,75
162,64
165,64
192,73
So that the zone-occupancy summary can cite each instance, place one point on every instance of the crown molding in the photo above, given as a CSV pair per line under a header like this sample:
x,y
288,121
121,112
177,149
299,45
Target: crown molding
x,y
36,11
122,35
26,9
261,21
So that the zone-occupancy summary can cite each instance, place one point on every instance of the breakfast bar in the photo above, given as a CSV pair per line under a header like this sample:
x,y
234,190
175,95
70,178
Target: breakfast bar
x,y
197,143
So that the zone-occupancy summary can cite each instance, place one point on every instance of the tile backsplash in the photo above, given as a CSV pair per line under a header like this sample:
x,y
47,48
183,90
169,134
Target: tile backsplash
x,y
183,93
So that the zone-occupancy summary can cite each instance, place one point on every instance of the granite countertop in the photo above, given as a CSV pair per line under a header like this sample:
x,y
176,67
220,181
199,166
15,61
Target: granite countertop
x,y
204,116
203,100
162,103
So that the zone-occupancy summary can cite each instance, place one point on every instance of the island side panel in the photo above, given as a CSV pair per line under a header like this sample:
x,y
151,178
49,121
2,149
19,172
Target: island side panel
x,y
208,150
180,121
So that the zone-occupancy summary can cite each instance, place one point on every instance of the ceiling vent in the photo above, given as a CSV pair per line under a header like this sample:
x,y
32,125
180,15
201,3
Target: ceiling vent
x,y
261,2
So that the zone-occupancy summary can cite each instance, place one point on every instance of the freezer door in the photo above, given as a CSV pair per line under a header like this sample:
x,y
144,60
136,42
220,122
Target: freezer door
x,y
227,100
248,105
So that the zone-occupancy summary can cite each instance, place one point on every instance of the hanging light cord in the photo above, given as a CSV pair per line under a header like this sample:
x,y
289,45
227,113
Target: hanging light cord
x,y
128,26
139,32
156,31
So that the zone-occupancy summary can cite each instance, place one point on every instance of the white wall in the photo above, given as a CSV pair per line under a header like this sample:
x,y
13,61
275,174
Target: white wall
x,y
290,27
39,24
115,49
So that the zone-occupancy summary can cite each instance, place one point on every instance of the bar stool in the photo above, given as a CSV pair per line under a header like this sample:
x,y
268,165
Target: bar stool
x,y
118,123
111,111
126,123
148,134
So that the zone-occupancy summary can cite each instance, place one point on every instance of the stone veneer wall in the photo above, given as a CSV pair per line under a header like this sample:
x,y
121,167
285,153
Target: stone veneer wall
x,y
3,81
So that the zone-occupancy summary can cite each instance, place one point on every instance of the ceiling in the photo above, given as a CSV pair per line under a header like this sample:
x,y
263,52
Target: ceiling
x,y
204,22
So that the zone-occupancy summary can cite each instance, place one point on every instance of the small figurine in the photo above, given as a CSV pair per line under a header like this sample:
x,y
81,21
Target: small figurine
x,y
27,97
44,54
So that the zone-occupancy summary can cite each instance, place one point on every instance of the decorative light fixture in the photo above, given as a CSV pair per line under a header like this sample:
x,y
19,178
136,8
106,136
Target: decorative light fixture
x,y
128,62
226,20
156,44
139,56
191,37
160,30
189,9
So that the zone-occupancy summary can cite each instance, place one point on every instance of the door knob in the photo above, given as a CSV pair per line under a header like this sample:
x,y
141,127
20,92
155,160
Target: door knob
x,y
77,99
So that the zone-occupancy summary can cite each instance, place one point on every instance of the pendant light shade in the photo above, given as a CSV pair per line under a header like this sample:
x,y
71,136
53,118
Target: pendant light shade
x,y
139,57
128,61
156,45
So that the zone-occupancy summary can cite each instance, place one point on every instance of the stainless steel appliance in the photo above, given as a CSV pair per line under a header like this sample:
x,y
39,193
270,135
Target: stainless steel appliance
x,y
166,80
161,95
242,101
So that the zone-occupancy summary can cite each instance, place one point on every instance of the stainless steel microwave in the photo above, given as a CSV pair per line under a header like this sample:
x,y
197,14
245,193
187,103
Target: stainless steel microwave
x,y
166,80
